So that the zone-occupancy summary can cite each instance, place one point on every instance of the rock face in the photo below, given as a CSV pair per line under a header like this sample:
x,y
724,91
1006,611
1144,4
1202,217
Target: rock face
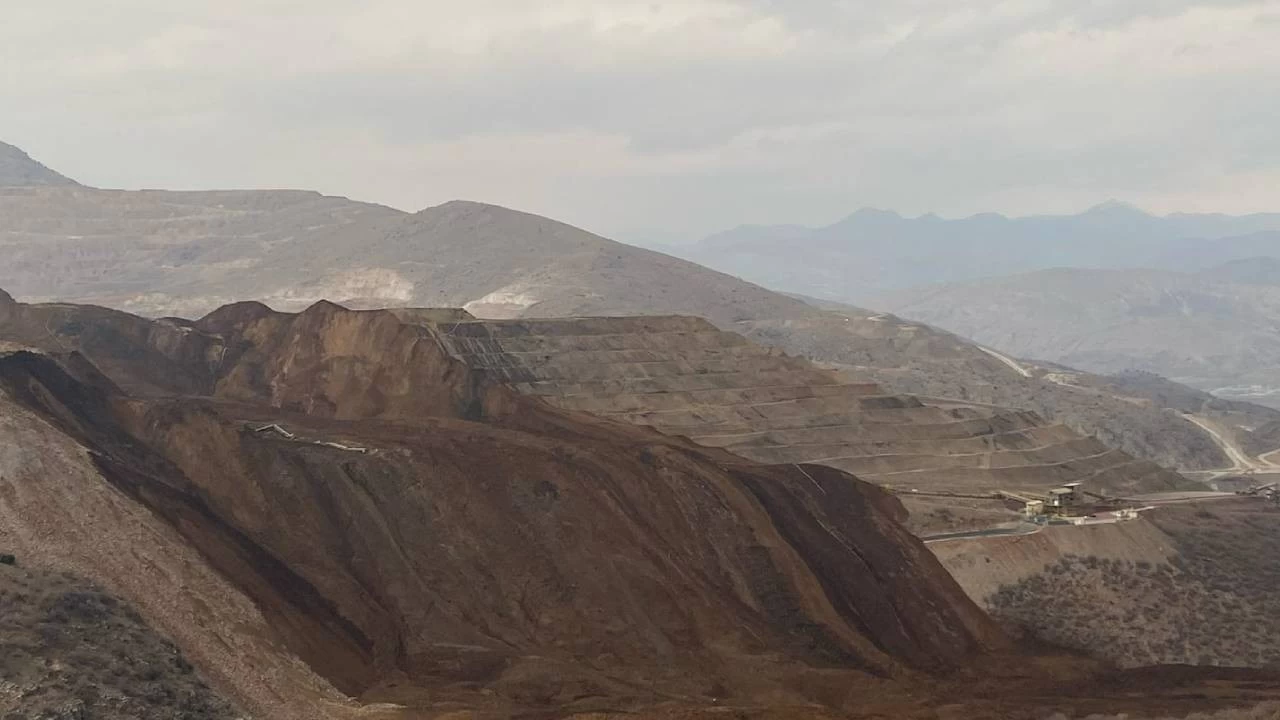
x,y
17,169
416,531
7,306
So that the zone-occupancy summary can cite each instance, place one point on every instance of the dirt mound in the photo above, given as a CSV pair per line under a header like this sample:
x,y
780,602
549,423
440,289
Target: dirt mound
x,y
69,650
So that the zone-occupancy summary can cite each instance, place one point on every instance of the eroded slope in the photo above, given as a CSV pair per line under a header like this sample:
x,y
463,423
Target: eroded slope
x,y
489,541
479,550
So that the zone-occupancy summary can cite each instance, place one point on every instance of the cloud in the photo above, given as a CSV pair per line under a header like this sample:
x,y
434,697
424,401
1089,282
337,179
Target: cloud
x,y
686,115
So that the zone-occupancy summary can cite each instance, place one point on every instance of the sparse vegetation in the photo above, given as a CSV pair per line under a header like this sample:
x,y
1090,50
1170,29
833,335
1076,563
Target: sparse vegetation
x,y
1213,604
70,652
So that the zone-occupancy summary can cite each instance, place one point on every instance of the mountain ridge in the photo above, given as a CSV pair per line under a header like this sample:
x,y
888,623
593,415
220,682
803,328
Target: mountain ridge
x,y
18,169
871,252
1211,329
184,254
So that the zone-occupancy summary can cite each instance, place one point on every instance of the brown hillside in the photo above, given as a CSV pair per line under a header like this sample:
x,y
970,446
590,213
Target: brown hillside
x,y
461,550
426,540
680,375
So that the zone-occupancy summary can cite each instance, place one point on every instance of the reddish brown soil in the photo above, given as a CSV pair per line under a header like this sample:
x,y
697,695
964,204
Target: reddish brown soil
x,y
490,553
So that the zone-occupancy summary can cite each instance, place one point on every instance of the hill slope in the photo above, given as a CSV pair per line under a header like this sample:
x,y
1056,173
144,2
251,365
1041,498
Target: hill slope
x,y
453,547
1195,328
69,650
185,253
446,536
17,169
684,377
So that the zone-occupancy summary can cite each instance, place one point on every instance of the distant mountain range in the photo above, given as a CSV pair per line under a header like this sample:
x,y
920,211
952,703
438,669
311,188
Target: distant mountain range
x,y
873,251
1192,297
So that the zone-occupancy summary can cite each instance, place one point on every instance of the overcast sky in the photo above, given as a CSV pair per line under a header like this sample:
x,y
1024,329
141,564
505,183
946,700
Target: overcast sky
x,y
660,119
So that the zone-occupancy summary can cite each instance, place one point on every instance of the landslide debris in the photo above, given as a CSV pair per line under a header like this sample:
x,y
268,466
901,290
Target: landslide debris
x,y
680,375
339,494
490,541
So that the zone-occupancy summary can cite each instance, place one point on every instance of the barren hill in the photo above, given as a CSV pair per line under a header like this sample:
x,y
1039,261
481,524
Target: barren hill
x,y
137,249
349,521
1215,330
335,518
686,377
164,253
17,169
445,535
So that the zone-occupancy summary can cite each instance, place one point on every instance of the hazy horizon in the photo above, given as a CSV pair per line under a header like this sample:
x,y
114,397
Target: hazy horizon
x,y
683,119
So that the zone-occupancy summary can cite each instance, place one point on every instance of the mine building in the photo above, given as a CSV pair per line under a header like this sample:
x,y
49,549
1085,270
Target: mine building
x,y
1064,497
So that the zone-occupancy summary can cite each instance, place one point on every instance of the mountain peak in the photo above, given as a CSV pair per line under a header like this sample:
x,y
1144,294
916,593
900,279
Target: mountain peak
x,y
875,213
871,217
1115,207
18,169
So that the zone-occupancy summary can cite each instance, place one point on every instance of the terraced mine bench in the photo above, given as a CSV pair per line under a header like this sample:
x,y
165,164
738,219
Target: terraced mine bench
x,y
683,376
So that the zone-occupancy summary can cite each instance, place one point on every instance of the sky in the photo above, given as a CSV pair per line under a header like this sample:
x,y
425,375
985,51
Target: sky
x,y
657,121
